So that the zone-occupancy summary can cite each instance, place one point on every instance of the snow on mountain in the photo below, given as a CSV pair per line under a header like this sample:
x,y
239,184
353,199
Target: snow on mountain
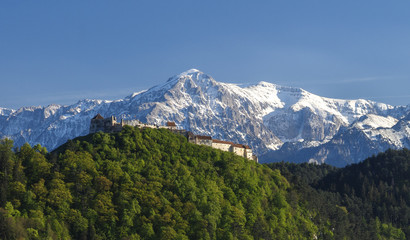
x,y
372,121
4,112
381,128
279,123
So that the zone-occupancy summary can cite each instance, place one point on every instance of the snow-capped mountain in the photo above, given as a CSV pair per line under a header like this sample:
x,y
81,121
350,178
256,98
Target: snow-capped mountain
x,y
280,123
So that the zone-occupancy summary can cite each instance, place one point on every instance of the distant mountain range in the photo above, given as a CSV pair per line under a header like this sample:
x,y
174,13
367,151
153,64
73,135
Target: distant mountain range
x,y
280,123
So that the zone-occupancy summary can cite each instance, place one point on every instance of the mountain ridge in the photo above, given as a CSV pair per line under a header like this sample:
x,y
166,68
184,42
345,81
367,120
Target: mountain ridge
x,y
266,116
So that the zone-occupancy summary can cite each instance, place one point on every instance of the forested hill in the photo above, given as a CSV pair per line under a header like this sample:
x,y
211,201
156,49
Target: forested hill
x,y
143,184
368,200
153,184
381,184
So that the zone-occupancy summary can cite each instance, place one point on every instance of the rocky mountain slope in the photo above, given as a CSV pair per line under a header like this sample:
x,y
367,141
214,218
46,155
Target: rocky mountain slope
x,y
279,123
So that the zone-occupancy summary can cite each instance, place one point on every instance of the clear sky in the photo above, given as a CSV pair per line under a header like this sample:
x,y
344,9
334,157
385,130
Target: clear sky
x,y
63,51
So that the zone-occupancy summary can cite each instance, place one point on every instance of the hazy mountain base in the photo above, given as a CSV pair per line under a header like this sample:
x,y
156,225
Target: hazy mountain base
x,y
346,147
143,184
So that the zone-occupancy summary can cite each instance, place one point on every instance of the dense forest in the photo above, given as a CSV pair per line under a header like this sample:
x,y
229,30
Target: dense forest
x,y
143,184
368,200
153,184
378,187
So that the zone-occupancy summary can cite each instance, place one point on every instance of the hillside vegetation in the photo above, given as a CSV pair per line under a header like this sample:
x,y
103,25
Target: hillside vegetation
x,y
368,200
143,184
378,187
153,184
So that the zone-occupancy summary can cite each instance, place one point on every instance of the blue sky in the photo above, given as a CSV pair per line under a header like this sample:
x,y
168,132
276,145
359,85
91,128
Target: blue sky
x,y
64,51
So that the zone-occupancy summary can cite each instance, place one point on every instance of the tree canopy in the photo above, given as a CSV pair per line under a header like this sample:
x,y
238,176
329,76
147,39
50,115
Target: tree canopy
x,y
143,184
153,184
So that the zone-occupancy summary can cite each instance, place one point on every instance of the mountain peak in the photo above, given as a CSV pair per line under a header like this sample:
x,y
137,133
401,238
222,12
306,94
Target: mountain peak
x,y
187,74
193,75
190,72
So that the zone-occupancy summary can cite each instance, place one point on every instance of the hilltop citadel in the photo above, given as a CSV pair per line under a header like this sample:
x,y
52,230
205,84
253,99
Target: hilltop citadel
x,y
110,125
